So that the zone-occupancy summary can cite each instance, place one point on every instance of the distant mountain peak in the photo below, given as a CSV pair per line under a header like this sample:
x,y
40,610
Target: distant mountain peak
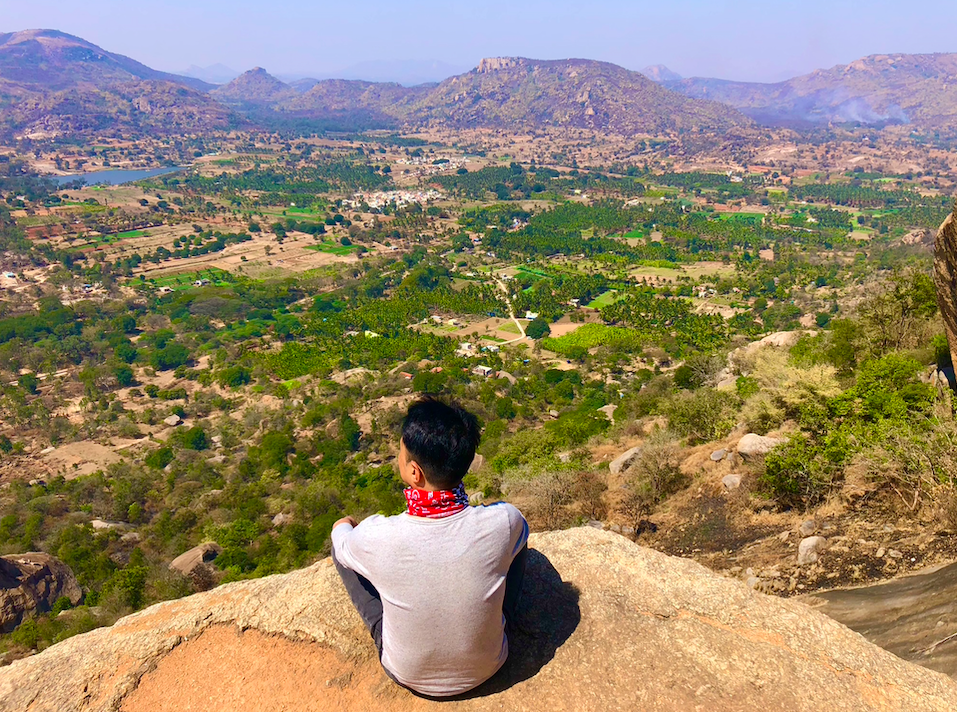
x,y
52,83
660,73
494,64
256,86
875,90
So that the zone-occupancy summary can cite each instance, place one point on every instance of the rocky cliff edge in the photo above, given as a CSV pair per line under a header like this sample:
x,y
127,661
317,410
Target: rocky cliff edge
x,y
945,277
607,625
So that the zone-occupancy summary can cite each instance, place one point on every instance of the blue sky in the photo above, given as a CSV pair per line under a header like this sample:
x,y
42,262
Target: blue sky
x,y
743,39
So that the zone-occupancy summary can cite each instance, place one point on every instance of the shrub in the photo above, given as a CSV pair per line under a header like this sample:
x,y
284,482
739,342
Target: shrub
x,y
159,458
193,439
793,475
576,427
587,489
124,376
702,415
129,584
234,376
684,378
762,414
26,634
428,382
29,382
549,496
657,474
169,357
941,351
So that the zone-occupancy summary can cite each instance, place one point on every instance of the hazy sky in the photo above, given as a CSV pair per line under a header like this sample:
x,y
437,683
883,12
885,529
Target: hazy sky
x,y
744,39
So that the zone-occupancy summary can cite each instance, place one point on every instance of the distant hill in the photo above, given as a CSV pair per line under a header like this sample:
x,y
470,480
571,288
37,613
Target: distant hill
x,y
508,93
257,86
916,89
54,83
518,93
55,60
660,73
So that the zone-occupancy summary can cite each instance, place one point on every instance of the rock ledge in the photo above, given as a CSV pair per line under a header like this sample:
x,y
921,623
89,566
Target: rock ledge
x,y
607,625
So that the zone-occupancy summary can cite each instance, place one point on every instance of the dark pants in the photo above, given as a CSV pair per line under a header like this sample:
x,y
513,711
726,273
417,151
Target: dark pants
x,y
369,604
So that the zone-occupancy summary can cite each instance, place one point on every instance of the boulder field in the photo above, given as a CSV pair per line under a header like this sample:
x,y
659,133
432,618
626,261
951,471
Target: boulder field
x,y
606,625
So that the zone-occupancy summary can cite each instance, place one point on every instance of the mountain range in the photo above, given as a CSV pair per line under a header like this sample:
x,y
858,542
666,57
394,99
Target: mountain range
x,y
52,83
918,89
508,93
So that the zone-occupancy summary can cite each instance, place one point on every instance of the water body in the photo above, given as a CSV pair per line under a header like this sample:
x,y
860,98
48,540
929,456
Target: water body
x,y
114,177
914,617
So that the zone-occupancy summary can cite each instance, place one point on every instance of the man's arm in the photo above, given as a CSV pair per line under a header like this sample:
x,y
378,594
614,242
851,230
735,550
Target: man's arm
x,y
351,546
519,529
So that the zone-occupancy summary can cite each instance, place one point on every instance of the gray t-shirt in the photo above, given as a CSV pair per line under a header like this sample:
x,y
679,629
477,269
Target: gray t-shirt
x,y
442,583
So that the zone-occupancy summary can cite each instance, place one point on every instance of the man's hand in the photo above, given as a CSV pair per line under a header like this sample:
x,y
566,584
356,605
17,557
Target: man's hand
x,y
346,520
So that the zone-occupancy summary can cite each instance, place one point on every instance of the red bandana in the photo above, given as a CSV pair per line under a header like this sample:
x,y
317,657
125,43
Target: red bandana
x,y
436,505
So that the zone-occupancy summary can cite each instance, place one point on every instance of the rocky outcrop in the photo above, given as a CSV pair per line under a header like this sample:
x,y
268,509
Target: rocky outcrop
x,y
625,460
32,583
945,277
606,625
195,562
752,445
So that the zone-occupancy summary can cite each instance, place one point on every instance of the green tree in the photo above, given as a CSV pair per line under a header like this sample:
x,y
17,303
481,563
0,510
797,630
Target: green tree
x,y
194,438
29,382
538,328
124,375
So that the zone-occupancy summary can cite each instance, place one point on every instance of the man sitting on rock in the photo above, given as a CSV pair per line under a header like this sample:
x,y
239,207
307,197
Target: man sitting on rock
x,y
437,586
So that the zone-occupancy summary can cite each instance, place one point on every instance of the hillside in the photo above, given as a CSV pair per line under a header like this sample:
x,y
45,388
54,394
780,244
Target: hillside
x,y
55,61
660,73
510,93
919,89
518,93
53,83
294,642
257,86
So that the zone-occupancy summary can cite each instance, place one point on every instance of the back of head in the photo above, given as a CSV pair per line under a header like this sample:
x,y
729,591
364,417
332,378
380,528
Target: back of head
x,y
442,439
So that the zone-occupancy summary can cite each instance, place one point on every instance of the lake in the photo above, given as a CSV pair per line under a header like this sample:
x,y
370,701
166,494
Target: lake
x,y
114,177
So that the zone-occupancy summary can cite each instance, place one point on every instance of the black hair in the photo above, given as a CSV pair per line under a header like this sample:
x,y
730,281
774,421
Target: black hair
x,y
441,438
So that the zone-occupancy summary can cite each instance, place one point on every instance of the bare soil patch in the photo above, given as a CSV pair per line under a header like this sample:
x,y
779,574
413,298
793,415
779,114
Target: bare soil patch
x,y
80,458
250,671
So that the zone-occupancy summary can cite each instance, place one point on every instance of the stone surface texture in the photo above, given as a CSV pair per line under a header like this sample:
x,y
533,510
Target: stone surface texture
x,y
625,460
187,562
731,482
810,549
945,277
752,445
605,625
32,583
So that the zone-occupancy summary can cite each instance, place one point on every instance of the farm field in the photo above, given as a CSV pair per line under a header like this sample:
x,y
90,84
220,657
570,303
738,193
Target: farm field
x,y
332,248
604,300
589,336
